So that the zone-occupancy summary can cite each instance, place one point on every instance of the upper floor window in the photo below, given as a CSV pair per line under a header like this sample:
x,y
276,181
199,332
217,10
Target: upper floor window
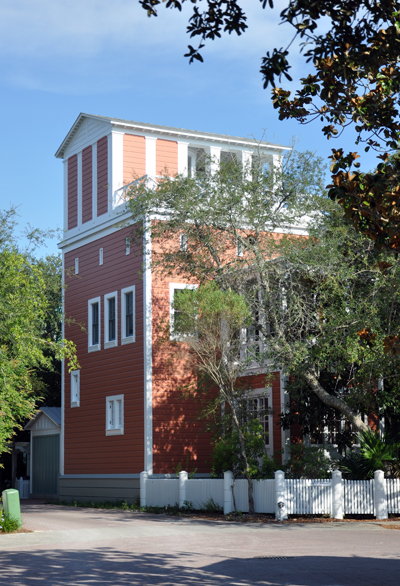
x,y
128,315
76,266
100,256
175,289
94,324
183,242
110,319
127,245
115,415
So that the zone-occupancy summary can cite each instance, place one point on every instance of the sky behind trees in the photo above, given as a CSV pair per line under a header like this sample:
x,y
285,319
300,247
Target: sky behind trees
x,y
60,58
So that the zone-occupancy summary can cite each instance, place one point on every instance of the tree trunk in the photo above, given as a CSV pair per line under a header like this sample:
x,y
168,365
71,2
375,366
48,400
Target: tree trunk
x,y
336,403
247,468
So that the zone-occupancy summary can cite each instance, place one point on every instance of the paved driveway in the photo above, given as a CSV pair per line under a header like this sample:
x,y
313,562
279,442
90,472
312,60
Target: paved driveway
x,y
113,548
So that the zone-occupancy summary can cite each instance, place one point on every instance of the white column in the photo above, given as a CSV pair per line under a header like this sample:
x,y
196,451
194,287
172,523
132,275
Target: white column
x,y
228,483
79,158
183,152
277,169
94,182
337,495
215,156
183,476
143,480
246,164
381,508
150,156
280,513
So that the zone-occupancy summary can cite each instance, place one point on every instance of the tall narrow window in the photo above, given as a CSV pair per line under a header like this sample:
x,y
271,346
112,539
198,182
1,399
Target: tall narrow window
x,y
110,320
174,291
94,324
127,245
115,415
128,315
75,384
76,266
183,243
100,256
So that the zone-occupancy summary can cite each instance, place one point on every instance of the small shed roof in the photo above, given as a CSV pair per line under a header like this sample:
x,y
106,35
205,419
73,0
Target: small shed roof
x,y
53,413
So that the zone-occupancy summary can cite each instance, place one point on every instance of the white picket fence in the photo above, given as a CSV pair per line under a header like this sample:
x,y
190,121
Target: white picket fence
x,y
335,497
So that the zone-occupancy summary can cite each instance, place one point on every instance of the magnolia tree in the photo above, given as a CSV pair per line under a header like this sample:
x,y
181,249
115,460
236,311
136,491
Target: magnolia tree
x,y
324,301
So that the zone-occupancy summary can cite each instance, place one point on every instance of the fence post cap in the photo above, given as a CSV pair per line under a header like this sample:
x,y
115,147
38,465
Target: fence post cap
x,y
337,473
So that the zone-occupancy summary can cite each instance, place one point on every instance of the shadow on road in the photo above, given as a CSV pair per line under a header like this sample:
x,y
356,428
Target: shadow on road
x,y
111,567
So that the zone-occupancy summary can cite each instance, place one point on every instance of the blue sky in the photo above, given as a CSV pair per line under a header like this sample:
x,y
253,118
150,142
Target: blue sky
x,y
107,57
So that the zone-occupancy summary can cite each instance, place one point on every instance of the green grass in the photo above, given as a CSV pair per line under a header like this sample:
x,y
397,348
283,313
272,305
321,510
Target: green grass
x,y
8,524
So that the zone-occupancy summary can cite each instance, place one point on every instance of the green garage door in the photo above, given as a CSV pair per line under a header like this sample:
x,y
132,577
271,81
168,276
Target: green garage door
x,y
45,464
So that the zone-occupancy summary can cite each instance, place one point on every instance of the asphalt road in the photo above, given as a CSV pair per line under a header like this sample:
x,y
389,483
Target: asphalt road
x,y
70,546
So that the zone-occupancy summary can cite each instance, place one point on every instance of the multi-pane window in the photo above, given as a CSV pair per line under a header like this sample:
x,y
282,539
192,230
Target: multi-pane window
x,y
259,407
94,324
75,384
110,320
128,315
176,289
115,415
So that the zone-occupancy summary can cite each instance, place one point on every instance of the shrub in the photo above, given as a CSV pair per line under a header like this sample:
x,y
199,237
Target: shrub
x,y
8,524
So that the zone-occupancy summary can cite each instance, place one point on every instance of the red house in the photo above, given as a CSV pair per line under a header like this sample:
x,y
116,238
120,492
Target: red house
x,y
122,412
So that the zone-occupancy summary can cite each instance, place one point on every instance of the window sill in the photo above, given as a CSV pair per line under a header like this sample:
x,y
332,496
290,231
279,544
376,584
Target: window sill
x,y
118,431
110,344
128,340
74,404
94,348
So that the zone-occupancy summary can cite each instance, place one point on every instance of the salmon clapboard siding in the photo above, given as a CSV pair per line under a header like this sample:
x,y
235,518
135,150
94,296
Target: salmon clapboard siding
x,y
134,157
102,176
111,371
87,184
166,157
72,192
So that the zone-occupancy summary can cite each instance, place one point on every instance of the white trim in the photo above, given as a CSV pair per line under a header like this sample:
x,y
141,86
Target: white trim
x,y
77,266
151,156
75,383
109,174
124,338
112,427
285,433
172,288
183,150
148,352
65,179
94,182
79,188
93,347
107,342
101,256
117,146
62,431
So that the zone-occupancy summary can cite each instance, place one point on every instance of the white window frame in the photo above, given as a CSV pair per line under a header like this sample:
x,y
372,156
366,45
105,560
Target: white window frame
x,y
172,288
100,256
127,245
183,242
75,388
107,342
115,427
76,266
239,248
266,394
124,338
93,347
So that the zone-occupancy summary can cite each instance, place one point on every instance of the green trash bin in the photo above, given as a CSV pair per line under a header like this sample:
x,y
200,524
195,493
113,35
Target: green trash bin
x,y
11,503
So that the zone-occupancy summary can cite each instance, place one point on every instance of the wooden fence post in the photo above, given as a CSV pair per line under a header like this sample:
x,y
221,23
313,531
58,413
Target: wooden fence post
x,y
337,495
381,508
143,480
228,482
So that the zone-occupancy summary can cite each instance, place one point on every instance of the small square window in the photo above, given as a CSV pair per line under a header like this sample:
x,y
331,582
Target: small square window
x,y
128,315
75,388
100,256
94,324
174,290
115,415
127,245
76,266
110,320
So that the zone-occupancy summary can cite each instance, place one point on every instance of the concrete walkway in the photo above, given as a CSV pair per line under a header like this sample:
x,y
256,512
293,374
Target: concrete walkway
x,y
113,548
